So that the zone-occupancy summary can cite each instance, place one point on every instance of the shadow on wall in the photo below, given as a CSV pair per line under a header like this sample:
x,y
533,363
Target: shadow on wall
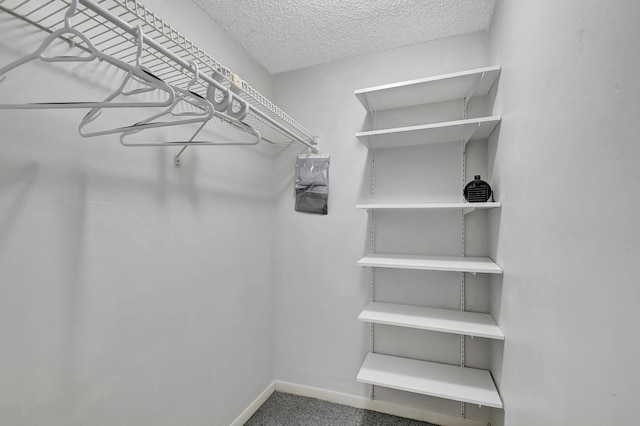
x,y
365,193
75,221
42,281
492,149
285,169
20,181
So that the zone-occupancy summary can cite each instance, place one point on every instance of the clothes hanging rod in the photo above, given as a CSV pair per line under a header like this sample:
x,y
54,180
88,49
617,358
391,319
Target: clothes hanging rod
x,y
125,26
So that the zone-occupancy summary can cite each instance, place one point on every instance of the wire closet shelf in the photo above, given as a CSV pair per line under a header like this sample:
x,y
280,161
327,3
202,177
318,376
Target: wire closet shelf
x,y
111,27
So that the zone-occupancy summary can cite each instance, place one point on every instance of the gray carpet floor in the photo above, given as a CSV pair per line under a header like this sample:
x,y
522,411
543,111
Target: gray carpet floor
x,y
283,409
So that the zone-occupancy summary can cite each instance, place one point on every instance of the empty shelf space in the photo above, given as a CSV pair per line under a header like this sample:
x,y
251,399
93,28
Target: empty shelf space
x,y
425,206
482,265
424,134
428,378
429,90
434,319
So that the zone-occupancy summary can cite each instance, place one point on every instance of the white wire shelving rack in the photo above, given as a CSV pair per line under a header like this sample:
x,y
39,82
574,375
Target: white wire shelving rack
x,y
111,25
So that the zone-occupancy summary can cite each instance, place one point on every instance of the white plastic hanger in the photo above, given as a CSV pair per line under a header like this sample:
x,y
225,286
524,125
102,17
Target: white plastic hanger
x,y
95,112
257,137
133,72
203,117
200,111
225,102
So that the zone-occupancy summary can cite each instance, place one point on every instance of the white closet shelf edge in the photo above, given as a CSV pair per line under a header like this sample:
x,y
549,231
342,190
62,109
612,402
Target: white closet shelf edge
x,y
425,134
429,378
434,319
483,265
428,90
428,206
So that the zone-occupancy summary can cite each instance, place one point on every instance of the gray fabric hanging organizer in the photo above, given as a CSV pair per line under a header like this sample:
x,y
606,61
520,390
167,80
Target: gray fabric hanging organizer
x,y
312,183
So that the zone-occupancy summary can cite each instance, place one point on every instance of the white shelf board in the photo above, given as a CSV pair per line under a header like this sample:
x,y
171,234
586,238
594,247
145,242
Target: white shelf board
x,y
482,265
431,206
442,320
424,134
428,90
428,378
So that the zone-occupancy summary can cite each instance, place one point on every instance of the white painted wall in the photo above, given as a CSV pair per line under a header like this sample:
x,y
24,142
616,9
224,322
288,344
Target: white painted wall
x,y
565,166
318,289
131,293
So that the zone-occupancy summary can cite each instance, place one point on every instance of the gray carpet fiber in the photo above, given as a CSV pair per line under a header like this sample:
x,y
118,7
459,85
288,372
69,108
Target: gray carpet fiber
x,y
283,409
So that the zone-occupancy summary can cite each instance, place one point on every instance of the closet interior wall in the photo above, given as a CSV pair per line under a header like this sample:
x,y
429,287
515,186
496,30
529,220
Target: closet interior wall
x,y
131,292
565,165
320,291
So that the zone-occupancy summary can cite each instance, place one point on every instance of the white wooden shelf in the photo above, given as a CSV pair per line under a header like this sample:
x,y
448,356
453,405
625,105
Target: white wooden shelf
x,y
429,90
428,378
424,134
442,320
428,206
482,265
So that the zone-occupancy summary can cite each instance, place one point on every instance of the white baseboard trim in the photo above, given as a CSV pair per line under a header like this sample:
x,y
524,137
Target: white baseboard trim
x,y
253,407
379,406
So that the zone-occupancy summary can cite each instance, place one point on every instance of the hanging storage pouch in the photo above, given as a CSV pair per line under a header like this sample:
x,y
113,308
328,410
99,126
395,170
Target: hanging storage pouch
x,y
312,183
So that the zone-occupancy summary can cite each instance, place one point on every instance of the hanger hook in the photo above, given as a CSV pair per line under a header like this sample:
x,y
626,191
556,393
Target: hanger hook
x,y
241,113
73,7
196,73
140,44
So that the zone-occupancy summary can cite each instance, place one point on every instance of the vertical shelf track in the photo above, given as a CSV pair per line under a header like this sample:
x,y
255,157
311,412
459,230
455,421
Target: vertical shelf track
x,y
462,253
463,146
372,237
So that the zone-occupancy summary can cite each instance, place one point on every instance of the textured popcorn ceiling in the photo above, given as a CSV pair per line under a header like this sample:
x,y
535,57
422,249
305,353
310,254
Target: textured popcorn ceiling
x,y
290,34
